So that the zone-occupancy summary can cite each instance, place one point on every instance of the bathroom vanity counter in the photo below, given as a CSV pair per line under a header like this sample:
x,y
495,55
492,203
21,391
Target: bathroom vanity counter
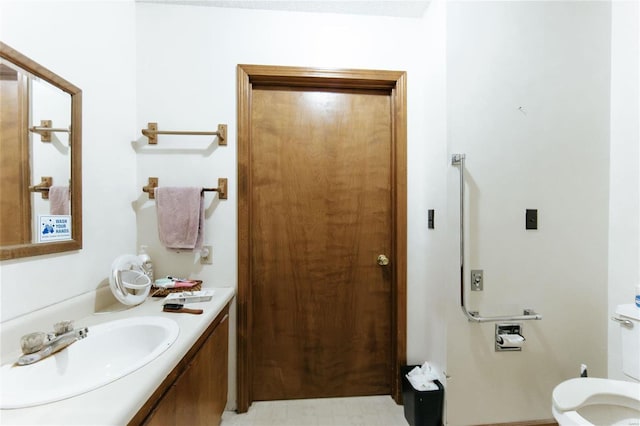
x,y
134,396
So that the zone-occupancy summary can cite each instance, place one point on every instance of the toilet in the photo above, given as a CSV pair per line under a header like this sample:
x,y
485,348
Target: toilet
x,y
596,401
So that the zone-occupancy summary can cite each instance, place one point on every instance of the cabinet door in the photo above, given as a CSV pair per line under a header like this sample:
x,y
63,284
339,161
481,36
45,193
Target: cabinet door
x,y
201,393
198,396
164,413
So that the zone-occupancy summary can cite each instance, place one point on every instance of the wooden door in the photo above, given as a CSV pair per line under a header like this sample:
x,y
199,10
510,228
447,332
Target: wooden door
x,y
322,206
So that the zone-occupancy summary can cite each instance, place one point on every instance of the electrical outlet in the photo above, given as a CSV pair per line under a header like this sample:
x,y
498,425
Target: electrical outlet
x,y
206,255
476,280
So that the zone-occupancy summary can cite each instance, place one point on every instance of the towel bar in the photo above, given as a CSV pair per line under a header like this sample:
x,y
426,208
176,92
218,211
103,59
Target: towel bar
x,y
150,187
152,133
221,189
43,186
45,129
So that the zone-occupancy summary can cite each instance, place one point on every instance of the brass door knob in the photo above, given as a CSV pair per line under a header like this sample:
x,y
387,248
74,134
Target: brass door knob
x,y
383,260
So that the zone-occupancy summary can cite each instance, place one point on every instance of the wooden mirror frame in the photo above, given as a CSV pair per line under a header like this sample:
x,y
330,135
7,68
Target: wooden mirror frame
x,y
75,142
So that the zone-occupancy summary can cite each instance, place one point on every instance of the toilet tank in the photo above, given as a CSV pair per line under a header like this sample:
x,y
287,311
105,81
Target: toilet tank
x,y
630,339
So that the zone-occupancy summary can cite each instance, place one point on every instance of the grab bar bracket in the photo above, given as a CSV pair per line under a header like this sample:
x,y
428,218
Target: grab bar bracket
x,y
457,159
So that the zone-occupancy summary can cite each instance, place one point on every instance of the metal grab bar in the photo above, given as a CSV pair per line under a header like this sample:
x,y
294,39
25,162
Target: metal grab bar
x,y
458,160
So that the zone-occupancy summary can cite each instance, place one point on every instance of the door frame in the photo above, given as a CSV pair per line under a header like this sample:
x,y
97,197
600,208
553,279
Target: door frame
x,y
392,82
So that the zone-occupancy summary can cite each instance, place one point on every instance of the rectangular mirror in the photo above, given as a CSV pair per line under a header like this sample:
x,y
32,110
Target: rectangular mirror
x,y
40,159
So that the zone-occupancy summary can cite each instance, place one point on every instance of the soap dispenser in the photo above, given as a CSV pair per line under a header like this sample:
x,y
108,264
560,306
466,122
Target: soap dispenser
x,y
147,264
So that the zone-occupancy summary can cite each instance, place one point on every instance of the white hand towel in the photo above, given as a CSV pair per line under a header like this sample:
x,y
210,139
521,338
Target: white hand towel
x,y
180,217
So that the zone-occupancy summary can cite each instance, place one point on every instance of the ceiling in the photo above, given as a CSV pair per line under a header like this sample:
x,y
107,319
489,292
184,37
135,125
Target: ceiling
x,y
396,8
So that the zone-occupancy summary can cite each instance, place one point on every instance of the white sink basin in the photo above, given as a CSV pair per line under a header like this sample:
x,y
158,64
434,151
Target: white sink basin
x,y
111,350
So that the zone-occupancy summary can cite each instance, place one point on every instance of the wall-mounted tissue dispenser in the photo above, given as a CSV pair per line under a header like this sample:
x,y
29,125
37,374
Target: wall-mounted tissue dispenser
x,y
509,337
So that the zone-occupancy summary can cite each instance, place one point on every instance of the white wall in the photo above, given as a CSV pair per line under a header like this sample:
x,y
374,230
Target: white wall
x,y
624,207
187,80
470,65
528,102
91,45
433,253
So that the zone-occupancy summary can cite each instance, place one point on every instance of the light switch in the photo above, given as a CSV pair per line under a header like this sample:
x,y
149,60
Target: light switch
x,y
531,219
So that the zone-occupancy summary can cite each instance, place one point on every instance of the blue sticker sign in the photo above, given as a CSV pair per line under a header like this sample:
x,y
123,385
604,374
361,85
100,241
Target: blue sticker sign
x,y
54,228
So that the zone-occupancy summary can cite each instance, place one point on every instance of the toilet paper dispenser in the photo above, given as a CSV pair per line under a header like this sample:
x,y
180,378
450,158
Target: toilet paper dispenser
x,y
509,337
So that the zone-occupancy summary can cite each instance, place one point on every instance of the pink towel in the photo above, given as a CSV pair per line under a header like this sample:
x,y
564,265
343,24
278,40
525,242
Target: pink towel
x,y
59,200
180,217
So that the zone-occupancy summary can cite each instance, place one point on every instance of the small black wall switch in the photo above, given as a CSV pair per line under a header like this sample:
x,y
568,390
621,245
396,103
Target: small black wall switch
x,y
430,218
531,219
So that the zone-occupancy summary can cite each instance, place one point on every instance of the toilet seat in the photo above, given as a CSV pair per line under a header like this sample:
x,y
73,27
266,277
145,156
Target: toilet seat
x,y
574,394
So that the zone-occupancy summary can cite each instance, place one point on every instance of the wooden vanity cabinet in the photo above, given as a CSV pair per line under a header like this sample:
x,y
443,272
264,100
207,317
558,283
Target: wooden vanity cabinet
x,y
195,392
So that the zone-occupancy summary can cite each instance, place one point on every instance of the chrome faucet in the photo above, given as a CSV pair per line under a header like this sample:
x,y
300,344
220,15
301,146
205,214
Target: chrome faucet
x,y
39,345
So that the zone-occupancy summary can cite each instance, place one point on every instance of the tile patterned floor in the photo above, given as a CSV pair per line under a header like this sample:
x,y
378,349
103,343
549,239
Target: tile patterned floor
x,y
356,411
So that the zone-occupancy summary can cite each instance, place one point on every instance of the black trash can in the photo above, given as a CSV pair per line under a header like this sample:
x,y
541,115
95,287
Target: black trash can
x,y
421,408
